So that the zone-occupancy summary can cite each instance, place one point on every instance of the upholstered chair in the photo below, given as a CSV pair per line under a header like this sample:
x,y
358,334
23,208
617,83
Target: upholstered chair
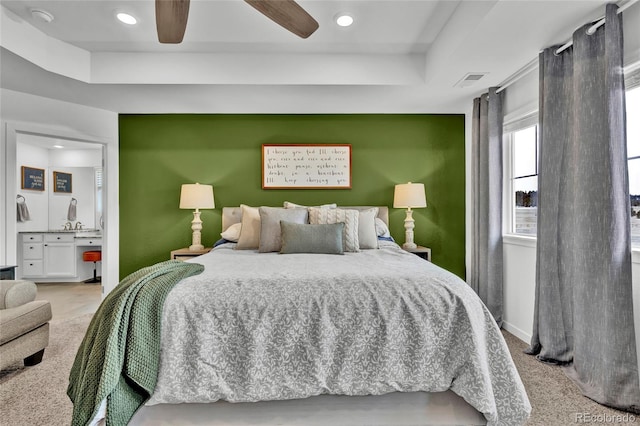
x,y
24,323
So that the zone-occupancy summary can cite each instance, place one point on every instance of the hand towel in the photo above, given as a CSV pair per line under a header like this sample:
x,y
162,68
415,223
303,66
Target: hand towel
x,y
71,214
23,211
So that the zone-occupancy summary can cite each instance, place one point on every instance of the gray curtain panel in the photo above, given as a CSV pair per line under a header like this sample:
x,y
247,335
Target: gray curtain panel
x,y
486,264
583,307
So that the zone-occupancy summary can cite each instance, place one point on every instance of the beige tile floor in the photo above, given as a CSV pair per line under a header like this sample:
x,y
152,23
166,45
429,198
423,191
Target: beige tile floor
x,y
70,299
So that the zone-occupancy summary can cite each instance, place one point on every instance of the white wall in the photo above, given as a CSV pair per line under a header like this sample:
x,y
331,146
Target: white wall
x,y
29,114
37,201
75,158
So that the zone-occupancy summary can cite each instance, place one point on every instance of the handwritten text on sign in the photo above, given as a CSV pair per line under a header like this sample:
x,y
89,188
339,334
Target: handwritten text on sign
x,y
306,166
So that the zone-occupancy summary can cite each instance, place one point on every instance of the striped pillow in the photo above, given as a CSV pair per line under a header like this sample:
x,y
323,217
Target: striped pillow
x,y
320,216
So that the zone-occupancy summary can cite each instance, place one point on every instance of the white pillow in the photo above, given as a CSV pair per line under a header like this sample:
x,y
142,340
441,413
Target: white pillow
x,y
367,236
288,205
381,228
232,233
320,216
250,231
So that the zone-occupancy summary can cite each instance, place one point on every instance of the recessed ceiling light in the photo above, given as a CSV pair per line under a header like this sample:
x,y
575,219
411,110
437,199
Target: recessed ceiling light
x,y
344,20
58,146
42,15
125,18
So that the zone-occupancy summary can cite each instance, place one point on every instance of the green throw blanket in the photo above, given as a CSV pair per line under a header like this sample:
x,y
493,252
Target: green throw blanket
x,y
118,358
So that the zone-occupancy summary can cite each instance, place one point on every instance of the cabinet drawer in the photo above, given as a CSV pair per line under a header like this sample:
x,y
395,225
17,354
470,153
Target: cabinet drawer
x,y
59,238
82,242
32,268
32,238
32,251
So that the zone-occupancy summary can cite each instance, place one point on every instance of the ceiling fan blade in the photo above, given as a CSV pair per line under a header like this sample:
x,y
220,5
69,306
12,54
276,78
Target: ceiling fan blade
x,y
171,20
288,14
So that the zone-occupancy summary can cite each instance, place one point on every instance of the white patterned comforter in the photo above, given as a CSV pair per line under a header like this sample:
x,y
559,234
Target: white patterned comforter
x,y
266,326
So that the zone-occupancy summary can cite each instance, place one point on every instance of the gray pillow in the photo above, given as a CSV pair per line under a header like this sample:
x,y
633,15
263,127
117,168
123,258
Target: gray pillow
x,y
325,238
270,218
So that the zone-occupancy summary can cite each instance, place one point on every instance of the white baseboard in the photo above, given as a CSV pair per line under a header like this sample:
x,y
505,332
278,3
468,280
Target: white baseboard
x,y
525,337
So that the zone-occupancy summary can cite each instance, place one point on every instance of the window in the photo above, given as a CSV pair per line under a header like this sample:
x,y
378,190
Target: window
x,y
521,167
521,170
633,155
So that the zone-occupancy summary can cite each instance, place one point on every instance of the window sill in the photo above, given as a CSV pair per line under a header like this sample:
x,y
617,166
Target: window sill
x,y
526,241
519,240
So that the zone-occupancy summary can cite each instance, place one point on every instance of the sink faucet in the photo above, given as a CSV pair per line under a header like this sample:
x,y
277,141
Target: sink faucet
x,y
67,226
78,226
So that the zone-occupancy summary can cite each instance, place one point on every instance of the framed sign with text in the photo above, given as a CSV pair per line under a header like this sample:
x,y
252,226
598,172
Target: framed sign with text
x,y
62,182
32,178
299,166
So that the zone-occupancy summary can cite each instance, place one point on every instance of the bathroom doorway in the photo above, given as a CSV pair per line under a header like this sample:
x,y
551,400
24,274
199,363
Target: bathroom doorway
x,y
60,183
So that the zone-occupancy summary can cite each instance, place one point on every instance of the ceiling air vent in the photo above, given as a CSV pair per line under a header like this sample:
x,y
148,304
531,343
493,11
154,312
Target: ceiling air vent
x,y
470,79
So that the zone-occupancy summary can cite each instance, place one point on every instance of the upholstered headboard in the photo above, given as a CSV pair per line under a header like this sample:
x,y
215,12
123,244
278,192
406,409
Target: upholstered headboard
x,y
231,215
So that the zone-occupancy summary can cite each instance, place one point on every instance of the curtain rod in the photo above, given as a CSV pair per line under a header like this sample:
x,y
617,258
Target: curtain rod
x,y
592,29
533,64
529,67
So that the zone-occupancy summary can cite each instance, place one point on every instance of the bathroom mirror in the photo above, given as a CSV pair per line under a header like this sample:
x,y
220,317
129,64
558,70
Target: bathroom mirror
x,y
77,206
72,178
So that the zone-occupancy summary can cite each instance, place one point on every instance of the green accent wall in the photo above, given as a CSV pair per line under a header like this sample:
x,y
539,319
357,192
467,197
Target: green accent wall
x,y
158,153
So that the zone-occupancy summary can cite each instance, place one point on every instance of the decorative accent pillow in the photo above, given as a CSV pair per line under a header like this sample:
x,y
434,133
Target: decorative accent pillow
x,y
270,218
367,237
288,205
304,238
382,230
348,217
250,230
232,233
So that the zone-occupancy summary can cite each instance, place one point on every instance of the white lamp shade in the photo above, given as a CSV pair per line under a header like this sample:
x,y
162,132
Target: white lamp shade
x,y
409,195
196,196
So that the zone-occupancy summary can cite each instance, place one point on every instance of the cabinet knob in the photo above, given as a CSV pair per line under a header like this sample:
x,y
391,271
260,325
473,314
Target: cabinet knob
x,y
30,247
57,238
31,264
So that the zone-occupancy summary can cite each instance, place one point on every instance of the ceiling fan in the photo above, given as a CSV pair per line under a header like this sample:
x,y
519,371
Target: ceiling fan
x,y
171,17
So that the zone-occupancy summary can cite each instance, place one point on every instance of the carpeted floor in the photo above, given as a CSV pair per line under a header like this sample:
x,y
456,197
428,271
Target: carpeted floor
x,y
37,395
556,401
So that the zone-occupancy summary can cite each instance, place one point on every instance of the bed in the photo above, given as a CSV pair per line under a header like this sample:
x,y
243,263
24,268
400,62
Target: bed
x,y
271,327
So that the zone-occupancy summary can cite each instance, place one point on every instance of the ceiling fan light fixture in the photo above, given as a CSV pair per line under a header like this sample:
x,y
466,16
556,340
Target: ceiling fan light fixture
x,y
344,19
126,18
42,15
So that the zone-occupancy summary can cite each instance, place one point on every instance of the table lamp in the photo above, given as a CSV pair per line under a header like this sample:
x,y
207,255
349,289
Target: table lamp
x,y
196,196
408,196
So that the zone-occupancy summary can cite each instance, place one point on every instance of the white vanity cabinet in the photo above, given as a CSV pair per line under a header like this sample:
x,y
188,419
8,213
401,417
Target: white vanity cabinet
x,y
59,255
32,255
48,255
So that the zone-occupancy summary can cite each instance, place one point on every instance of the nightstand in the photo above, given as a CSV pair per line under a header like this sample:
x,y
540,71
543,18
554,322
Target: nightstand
x,y
423,252
185,253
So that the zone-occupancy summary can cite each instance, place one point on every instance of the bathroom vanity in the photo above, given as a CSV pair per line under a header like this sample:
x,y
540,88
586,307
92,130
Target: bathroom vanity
x,y
56,256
